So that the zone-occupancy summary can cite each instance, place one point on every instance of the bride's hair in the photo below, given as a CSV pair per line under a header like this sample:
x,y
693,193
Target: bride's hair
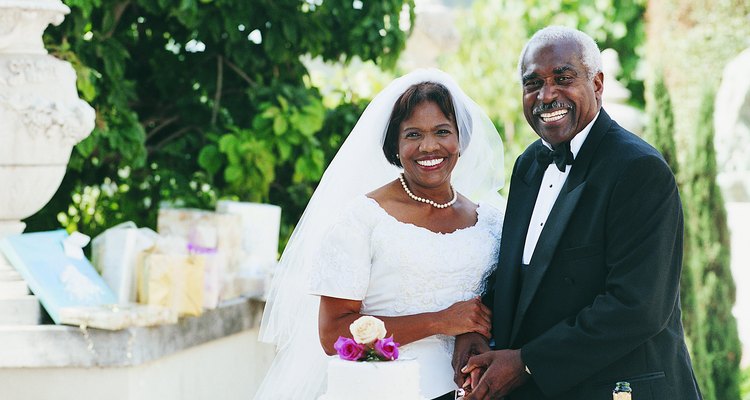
x,y
404,107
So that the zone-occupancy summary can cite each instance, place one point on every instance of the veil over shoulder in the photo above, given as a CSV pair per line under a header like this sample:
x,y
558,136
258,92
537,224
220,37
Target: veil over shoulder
x,y
290,319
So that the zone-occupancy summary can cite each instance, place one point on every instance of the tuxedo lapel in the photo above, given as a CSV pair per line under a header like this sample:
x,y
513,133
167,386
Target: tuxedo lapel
x,y
545,249
524,190
557,221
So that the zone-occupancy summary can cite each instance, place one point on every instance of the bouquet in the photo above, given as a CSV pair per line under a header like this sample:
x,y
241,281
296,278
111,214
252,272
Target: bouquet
x,y
368,342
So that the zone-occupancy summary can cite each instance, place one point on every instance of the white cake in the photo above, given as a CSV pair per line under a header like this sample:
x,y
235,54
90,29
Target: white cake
x,y
372,380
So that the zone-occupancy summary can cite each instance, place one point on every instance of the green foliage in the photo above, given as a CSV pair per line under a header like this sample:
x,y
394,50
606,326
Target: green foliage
x,y
201,100
692,41
281,135
660,120
715,344
745,387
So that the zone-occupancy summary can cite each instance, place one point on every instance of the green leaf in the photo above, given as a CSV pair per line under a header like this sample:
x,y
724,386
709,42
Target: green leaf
x,y
227,142
233,173
271,112
283,102
210,159
285,150
86,146
279,125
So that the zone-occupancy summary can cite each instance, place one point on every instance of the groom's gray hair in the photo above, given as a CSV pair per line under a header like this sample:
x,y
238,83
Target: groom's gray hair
x,y
591,56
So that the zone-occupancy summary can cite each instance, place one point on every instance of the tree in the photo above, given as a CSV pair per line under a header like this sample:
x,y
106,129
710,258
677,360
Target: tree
x,y
660,120
709,322
693,41
200,100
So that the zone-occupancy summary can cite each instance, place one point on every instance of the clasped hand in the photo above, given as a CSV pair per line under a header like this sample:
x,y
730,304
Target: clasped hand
x,y
493,374
467,316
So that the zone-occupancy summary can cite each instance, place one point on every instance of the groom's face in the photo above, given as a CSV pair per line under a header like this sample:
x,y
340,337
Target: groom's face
x,y
559,99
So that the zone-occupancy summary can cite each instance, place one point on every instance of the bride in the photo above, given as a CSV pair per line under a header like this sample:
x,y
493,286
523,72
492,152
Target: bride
x,y
405,225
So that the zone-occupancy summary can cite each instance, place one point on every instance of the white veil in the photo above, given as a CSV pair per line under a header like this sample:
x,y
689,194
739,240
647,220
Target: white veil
x,y
290,319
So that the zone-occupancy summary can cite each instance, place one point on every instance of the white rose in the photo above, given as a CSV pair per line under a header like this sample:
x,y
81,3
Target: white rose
x,y
367,329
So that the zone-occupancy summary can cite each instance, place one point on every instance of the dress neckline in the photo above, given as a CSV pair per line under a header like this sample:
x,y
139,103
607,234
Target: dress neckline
x,y
391,217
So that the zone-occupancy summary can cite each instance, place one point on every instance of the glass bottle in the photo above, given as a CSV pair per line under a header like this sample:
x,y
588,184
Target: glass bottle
x,y
622,391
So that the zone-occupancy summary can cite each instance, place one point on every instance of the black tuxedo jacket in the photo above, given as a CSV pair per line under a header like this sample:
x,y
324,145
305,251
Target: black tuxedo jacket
x,y
599,302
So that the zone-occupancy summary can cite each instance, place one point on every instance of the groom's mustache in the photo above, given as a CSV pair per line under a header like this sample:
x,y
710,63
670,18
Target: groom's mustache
x,y
555,105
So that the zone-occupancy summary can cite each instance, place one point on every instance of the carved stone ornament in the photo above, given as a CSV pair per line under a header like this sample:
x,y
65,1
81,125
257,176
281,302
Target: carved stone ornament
x,y
41,116
22,23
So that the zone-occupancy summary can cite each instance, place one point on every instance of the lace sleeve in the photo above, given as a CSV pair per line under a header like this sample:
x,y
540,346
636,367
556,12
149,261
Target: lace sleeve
x,y
342,267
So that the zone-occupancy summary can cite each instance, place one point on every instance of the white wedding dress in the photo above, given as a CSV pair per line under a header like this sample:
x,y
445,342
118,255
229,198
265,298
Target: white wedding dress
x,y
397,269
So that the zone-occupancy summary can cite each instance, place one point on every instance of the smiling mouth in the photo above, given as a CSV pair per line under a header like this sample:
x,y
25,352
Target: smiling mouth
x,y
430,163
553,116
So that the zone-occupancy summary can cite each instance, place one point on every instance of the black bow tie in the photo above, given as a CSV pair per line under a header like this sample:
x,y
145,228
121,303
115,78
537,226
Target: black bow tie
x,y
560,155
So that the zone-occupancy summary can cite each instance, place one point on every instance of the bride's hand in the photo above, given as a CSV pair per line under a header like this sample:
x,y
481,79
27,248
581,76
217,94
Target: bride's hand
x,y
466,316
467,345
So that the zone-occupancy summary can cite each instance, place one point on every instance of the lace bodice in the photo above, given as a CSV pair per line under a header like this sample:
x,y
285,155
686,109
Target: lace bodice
x,y
397,268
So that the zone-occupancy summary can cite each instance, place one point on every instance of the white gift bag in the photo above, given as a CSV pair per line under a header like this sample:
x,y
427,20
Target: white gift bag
x,y
260,241
115,252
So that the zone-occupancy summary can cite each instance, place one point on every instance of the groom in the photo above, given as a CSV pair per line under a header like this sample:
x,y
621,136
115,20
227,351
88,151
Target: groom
x,y
586,293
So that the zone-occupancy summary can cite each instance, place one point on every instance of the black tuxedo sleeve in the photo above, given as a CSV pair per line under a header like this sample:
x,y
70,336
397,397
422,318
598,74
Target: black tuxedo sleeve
x,y
643,226
488,298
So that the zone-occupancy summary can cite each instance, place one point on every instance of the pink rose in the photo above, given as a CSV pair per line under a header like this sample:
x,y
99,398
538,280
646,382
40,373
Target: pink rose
x,y
387,348
348,349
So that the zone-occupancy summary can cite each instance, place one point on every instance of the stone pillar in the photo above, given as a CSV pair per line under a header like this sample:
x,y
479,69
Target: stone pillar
x,y
41,119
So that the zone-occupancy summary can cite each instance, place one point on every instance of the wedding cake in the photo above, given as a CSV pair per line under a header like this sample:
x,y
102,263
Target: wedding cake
x,y
376,380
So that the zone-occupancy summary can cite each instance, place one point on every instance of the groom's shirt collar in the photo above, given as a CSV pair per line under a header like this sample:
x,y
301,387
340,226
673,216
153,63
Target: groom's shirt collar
x,y
577,141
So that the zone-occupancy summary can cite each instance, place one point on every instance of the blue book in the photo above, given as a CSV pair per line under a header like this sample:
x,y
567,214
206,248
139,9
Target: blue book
x,y
58,280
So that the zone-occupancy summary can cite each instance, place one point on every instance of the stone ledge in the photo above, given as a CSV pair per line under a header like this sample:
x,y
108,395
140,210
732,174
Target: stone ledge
x,y
45,346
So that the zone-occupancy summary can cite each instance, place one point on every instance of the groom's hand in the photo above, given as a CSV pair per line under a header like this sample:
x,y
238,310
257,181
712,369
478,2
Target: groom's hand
x,y
503,371
467,345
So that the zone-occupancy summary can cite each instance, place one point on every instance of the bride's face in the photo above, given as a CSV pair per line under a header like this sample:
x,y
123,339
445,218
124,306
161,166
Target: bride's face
x,y
428,147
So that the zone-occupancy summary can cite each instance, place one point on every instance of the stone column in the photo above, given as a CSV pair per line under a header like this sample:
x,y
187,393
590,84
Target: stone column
x,y
732,141
41,119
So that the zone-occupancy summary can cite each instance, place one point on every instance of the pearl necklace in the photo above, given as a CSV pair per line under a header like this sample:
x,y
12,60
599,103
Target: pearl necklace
x,y
428,201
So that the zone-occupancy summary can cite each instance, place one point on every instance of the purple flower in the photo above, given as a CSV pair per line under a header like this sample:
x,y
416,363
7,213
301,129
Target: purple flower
x,y
387,348
348,349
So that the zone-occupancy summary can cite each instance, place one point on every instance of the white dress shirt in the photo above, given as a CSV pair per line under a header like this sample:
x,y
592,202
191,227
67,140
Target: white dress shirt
x,y
552,182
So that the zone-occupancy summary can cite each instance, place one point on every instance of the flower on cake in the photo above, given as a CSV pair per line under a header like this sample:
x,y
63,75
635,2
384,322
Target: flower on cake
x,y
369,342
367,329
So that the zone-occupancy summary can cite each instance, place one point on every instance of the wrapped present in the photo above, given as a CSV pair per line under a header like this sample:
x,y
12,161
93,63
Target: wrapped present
x,y
184,223
260,242
114,253
172,280
203,240
53,265
116,316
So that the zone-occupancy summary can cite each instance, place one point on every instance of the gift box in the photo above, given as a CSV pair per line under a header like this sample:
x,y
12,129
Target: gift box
x,y
203,241
174,281
53,265
115,252
184,223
